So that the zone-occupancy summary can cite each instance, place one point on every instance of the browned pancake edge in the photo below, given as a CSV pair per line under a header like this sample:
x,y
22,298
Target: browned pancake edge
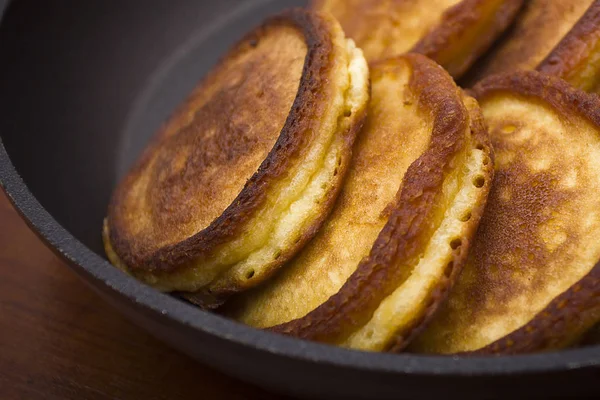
x,y
463,32
409,226
576,59
561,324
466,31
482,140
290,148
537,29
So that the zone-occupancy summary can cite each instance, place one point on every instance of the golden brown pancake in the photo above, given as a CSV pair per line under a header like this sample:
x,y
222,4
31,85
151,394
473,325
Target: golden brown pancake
x,y
531,281
576,59
402,225
540,26
452,32
246,170
563,323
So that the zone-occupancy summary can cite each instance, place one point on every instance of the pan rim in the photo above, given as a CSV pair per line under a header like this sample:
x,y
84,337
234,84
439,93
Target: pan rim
x,y
86,262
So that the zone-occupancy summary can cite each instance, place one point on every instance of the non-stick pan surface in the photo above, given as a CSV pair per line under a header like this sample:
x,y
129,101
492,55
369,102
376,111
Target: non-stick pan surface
x,y
83,84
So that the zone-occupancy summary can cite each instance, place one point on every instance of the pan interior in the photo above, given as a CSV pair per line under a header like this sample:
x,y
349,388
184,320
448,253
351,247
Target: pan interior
x,y
91,82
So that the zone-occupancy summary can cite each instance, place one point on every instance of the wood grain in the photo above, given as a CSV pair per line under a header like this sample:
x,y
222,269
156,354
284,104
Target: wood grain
x,y
59,340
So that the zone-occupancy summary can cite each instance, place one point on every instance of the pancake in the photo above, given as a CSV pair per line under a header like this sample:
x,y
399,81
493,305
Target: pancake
x,y
454,33
539,28
576,59
531,282
401,227
245,171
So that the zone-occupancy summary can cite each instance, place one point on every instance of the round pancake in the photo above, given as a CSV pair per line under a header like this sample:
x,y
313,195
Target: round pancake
x,y
532,273
245,171
454,33
540,26
402,224
576,59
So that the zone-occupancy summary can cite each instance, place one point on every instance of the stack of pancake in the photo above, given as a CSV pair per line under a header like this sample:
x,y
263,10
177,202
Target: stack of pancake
x,y
330,180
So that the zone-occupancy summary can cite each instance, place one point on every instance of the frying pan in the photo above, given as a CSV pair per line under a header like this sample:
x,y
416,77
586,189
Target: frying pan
x,y
83,86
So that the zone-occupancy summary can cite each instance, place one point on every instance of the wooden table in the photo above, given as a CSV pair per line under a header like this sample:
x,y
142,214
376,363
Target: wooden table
x,y
59,340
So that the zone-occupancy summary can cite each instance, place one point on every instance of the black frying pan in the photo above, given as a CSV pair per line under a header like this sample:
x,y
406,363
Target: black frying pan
x,y
83,84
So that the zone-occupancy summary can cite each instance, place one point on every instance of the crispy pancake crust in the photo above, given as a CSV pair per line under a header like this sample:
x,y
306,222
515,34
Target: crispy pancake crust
x,y
453,33
561,324
531,280
576,59
291,94
466,31
539,27
451,129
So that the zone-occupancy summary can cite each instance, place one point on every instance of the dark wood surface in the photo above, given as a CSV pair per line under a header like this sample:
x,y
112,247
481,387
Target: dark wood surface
x,y
59,340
